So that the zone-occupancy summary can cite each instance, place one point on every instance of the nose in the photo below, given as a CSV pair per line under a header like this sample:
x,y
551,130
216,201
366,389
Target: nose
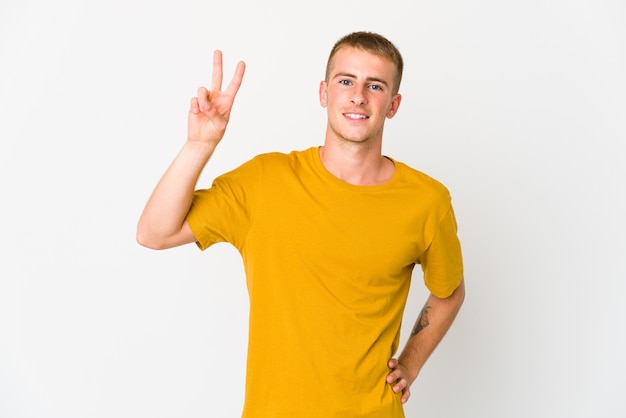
x,y
359,97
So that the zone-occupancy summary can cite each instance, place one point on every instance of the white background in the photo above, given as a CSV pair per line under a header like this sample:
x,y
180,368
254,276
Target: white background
x,y
518,107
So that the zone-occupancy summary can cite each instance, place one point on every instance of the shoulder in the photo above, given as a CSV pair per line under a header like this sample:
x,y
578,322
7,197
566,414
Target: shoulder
x,y
420,181
276,156
259,161
266,166
275,161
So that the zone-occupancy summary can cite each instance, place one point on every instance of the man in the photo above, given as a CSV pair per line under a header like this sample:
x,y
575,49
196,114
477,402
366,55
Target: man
x,y
329,237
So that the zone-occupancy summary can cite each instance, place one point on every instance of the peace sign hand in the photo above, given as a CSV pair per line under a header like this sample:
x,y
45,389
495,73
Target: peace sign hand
x,y
209,112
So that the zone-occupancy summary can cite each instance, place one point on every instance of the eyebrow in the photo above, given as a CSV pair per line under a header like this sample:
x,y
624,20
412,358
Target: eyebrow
x,y
370,79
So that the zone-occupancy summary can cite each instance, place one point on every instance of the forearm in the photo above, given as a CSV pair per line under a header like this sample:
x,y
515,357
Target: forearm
x,y
433,322
164,215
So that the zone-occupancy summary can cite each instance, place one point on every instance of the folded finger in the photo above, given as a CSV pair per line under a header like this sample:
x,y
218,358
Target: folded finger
x,y
193,106
406,395
204,97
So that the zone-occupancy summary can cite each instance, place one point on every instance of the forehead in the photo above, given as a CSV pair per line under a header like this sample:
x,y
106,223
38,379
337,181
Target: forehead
x,y
361,63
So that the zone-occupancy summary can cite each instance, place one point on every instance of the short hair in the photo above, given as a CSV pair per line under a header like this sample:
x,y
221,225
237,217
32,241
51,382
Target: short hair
x,y
375,44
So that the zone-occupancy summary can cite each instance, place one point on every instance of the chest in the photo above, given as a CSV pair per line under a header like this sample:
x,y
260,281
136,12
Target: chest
x,y
380,234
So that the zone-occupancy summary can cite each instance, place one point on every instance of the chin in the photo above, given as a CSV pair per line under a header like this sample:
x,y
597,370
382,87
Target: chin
x,y
357,140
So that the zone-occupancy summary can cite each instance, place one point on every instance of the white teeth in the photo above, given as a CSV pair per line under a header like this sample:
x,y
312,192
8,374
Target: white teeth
x,y
355,116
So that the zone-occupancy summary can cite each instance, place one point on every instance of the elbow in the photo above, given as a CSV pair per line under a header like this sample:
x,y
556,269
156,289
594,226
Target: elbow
x,y
145,241
148,239
155,237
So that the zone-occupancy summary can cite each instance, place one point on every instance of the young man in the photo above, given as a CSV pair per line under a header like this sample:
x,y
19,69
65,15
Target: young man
x,y
329,237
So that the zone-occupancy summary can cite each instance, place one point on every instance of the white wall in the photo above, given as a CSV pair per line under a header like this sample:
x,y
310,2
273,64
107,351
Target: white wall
x,y
518,107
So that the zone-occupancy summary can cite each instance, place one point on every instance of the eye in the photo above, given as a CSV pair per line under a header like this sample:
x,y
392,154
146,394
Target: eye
x,y
376,87
345,82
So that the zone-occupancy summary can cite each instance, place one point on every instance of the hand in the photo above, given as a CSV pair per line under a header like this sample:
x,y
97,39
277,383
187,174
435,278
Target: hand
x,y
399,378
210,111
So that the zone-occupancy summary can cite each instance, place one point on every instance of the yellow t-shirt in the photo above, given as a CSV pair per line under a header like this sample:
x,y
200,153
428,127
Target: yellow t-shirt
x,y
328,267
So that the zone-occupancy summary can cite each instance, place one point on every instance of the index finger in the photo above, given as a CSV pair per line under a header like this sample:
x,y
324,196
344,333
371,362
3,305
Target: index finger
x,y
216,78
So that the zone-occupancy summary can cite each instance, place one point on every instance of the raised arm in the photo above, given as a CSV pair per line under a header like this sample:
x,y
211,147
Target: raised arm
x,y
162,223
433,322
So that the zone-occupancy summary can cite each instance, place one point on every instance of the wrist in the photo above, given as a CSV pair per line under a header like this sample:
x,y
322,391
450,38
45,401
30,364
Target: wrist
x,y
195,154
411,368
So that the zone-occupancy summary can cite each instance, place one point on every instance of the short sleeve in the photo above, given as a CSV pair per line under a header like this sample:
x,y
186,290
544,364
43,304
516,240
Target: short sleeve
x,y
222,212
442,262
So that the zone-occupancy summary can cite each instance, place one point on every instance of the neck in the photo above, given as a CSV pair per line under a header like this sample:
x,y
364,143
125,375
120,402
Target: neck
x,y
357,164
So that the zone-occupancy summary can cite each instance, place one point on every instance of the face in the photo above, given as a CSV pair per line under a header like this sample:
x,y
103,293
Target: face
x,y
358,96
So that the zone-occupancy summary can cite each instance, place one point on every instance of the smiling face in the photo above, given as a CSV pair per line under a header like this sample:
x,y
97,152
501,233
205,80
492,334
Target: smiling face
x,y
358,95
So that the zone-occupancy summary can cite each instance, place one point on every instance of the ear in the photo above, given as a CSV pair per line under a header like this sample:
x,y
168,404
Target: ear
x,y
395,104
323,94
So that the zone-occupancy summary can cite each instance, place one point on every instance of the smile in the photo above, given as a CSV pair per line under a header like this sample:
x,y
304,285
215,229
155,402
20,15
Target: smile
x,y
355,116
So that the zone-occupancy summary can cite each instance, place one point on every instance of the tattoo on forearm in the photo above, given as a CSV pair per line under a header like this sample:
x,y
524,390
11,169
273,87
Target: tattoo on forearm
x,y
422,321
